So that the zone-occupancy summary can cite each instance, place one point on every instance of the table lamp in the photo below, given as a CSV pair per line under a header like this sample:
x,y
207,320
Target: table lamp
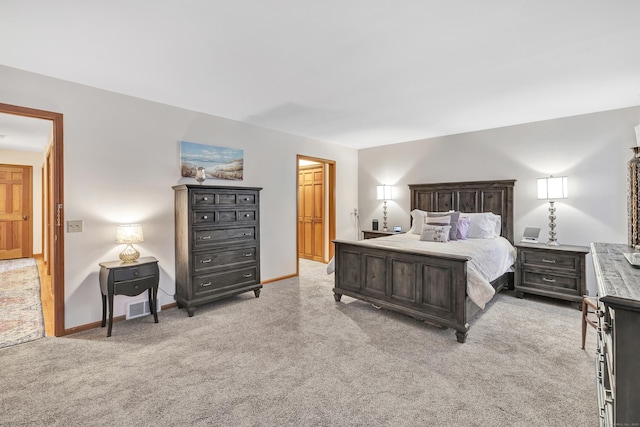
x,y
128,234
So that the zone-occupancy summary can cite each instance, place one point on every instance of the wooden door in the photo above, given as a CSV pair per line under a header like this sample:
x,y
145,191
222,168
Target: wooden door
x,y
311,212
15,212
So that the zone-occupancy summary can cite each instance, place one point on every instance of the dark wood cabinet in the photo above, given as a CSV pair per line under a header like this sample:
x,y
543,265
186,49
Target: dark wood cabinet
x,y
618,346
131,279
552,271
217,240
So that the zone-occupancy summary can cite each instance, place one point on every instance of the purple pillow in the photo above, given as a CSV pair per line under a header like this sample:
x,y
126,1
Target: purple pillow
x,y
463,227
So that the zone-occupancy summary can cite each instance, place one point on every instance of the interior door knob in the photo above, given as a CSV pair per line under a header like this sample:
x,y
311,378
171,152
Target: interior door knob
x,y
24,217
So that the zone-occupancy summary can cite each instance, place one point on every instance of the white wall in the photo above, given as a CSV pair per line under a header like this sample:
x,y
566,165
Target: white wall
x,y
35,160
592,150
121,158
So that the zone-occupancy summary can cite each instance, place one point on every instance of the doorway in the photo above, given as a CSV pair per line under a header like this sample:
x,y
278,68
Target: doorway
x,y
316,217
54,235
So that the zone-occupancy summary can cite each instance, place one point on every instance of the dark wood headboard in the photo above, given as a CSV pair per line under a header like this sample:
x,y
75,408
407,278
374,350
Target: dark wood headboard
x,y
470,196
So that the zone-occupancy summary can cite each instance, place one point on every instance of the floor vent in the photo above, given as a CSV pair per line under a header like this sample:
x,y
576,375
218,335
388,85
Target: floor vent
x,y
138,309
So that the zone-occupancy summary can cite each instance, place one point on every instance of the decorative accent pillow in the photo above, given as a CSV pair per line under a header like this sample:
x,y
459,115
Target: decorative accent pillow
x,y
444,218
463,227
418,218
484,225
435,233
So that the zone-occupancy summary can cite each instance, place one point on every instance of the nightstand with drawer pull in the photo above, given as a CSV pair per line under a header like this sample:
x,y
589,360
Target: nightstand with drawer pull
x,y
551,271
131,279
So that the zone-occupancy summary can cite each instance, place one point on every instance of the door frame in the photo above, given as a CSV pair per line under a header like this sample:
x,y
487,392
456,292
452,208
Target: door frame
x,y
330,166
57,237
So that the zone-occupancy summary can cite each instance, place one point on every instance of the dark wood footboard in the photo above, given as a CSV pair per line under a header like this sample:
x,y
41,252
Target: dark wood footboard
x,y
427,287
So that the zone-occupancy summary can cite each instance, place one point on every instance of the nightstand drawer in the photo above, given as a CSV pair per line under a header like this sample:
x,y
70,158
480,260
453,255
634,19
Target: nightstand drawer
x,y
134,287
551,260
543,280
130,273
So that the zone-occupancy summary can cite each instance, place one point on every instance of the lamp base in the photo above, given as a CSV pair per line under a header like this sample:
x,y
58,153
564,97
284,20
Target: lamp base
x,y
553,243
129,254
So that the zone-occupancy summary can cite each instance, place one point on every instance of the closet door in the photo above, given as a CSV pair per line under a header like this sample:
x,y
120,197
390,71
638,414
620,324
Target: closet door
x,y
311,213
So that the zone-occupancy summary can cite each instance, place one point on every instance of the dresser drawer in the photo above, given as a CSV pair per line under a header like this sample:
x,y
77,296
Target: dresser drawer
x,y
134,287
211,260
204,217
246,199
203,198
223,216
247,215
203,238
130,273
550,260
223,282
236,199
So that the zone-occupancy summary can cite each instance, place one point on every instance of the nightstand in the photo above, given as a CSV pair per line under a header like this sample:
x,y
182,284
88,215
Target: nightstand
x,y
131,279
372,234
551,271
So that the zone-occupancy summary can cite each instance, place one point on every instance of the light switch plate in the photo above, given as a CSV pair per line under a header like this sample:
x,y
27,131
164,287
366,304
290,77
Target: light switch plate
x,y
76,226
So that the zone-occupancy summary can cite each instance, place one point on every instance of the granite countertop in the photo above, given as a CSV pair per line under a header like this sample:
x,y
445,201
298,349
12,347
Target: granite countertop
x,y
618,280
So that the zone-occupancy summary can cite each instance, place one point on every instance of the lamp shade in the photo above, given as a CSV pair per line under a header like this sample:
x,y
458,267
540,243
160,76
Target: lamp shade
x,y
553,187
384,192
129,233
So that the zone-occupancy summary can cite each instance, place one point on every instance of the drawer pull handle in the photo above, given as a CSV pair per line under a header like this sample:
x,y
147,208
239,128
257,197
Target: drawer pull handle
x,y
205,217
247,215
550,261
247,275
136,273
205,238
206,261
246,234
549,280
246,199
248,254
205,198
206,284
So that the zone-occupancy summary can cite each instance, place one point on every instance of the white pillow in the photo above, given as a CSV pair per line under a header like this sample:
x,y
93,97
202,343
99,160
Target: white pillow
x,y
435,233
418,221
484,225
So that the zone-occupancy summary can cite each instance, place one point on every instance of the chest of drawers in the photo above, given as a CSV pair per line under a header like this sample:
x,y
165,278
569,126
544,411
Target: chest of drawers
x,y
552,271
217,239
618,346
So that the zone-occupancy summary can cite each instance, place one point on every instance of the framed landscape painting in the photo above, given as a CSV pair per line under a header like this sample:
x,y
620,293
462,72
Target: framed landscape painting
x,y
218,162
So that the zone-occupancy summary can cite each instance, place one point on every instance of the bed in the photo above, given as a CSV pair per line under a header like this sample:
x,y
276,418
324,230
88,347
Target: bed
x,y
427,284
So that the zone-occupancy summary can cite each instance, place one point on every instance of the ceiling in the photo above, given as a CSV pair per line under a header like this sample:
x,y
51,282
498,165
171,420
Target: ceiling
x,y
358,73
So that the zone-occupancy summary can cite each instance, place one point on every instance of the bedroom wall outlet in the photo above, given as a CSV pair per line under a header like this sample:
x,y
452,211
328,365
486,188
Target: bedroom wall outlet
x,y
76,226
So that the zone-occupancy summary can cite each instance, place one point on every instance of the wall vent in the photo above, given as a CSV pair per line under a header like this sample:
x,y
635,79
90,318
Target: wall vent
x,y
138,309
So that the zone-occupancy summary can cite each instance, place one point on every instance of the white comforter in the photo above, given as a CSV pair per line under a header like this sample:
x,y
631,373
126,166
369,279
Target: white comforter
x,y
490,258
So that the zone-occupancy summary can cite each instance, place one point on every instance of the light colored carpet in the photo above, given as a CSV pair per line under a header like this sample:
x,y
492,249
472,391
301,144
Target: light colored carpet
x,y
21,317
296,357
